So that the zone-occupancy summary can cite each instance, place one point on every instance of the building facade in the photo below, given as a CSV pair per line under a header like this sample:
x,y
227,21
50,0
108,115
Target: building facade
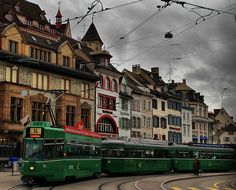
x,y
38,65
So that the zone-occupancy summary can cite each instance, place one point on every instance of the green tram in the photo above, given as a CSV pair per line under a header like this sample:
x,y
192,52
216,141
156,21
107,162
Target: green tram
x,y
211,158
57,154
119,157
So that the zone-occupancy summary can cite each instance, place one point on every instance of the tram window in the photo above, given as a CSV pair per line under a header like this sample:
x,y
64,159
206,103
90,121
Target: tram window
x,y
49,141
48,151
117,152
97,151
139,153
132,153
59,151
104,152
33,149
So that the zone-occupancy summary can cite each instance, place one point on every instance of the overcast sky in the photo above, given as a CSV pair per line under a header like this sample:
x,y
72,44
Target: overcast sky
x,y
202,50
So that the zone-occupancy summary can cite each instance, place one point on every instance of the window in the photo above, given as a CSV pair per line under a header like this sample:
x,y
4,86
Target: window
x,y
108,83
65,85
104,61
149,105
193,125
184,129
40,54
136,105
144,121
184,117
124,104
155,121
101,82
154,104
144,105
16,108
70,115
41,26
40,81
12,74
85,91
12,46
28,22
163,123
138,122
66,61
163,106
114,85
39,111
226,139
85,117
105,126
107,102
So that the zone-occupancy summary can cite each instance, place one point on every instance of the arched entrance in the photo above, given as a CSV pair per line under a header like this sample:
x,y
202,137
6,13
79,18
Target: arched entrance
x,y
106,124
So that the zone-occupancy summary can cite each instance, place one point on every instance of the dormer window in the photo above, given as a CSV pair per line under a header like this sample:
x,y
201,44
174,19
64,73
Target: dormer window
x,y
66,61
41,26
17,7
12,46
105,61
52,31
9,16
29,22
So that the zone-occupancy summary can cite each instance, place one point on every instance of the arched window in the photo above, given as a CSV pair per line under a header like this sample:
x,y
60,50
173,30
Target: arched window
x,y
101,82
108,83
114,85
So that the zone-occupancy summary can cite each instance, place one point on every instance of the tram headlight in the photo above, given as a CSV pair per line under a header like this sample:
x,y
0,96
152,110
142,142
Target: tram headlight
x,y
31,168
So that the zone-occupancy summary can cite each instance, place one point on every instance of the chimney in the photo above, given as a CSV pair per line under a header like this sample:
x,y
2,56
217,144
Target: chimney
x,y
136,69
184,81
155,70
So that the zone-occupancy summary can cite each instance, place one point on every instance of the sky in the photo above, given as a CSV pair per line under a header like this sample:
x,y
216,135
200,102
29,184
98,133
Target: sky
x,y
202,50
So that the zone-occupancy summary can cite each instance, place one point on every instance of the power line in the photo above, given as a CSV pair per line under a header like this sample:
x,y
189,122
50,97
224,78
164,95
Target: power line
x,y
102,10
158,44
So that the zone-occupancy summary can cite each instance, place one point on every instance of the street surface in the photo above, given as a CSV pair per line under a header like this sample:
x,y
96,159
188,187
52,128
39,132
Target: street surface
x,y
186,181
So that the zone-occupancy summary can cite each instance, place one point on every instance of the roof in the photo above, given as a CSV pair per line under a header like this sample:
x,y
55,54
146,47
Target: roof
x,y
92,34
231,127
27,9
183,87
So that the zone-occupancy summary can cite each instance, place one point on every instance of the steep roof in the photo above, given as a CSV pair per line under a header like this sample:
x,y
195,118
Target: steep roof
x,y
231,127
92,34
183,87
27,9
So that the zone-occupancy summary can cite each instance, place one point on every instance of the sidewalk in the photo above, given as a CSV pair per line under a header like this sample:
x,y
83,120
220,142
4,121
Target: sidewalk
x,y
8,180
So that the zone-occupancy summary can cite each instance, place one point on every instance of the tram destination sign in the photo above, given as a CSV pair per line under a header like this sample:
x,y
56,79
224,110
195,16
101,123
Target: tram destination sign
x,y
34,132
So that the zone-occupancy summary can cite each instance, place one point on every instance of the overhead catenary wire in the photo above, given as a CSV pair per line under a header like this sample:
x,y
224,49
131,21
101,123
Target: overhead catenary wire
x,y
164,41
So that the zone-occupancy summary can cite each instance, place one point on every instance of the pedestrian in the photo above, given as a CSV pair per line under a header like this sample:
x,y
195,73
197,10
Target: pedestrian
x,y
196,166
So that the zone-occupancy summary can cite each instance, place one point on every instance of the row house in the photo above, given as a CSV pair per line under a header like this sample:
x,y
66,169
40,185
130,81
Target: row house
x,y
194,102
141,107
223,127
107,89
39,64
125,103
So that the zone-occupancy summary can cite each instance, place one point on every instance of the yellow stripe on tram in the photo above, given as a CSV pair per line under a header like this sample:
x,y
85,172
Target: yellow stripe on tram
x,y
193,188
176,188
212,188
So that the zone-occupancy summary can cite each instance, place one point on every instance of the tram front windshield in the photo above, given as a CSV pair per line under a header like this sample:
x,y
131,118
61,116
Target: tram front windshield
x,y
33,149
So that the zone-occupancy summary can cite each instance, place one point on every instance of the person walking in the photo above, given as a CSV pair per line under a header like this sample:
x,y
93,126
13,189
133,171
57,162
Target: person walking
x,y
196,166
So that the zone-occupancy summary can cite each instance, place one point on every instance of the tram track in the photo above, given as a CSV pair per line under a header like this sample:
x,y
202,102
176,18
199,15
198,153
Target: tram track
x,y
118,184
21,186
